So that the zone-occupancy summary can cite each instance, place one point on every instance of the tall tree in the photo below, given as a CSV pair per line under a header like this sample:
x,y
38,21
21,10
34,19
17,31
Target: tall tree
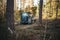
x,y
40,11
51,9
10,14
57,2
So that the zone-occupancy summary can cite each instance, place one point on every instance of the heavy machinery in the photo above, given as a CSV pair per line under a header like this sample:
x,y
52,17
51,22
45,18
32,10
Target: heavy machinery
x,y
26,18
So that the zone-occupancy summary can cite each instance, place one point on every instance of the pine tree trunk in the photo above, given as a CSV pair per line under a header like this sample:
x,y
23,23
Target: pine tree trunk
x,y
57,1
40,11
10,14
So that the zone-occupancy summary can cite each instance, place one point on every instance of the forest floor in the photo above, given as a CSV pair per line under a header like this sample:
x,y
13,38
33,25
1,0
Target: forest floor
x,y
35,32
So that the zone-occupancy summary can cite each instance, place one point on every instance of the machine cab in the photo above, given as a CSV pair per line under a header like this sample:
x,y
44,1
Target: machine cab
x,y
26,18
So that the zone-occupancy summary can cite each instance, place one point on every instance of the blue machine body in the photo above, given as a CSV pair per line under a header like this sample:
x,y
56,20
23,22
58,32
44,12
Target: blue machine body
x,y
26,18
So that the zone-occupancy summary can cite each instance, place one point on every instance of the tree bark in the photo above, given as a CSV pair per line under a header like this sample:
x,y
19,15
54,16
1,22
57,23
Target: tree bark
x,y
10,14
40,12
